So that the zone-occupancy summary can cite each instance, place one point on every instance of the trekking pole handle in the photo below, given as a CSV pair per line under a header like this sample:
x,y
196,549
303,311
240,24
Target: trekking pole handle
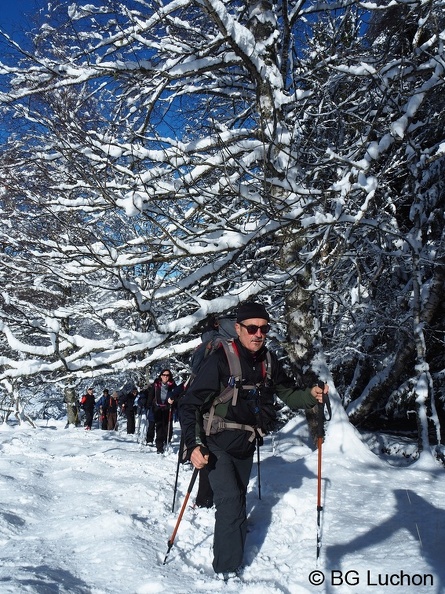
x,y
320,426
204,450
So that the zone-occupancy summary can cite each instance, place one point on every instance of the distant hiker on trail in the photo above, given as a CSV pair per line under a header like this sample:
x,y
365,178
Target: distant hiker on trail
x,y
129,409
72,410
110,408
223,437
100,404
87,402
145,409
160,401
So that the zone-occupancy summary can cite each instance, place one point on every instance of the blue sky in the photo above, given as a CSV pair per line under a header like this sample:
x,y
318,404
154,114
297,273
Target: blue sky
x,y
13,14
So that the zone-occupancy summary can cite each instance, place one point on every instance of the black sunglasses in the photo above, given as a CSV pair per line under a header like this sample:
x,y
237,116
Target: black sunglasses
x,y
253,329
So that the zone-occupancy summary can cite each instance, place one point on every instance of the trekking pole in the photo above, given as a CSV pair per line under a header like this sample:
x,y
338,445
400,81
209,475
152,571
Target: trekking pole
x,y
320,438
320,435
258,466
138,427
181,447
119,416
169,425
181,513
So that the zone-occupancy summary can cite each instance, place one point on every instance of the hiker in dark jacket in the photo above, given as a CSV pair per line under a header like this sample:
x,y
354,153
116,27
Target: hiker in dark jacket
x,y
100,409
129,409
160,401
87,402
144,409
228,454
110,408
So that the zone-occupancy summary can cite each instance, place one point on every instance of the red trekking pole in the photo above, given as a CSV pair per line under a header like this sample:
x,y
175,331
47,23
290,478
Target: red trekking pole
x,y
181,513
204,452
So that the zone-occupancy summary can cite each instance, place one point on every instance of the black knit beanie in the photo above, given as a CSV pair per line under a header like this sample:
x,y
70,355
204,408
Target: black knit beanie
x,y
249,310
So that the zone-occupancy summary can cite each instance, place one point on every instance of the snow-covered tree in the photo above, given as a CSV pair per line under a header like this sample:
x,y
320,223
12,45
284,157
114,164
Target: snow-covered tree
x,y
173,159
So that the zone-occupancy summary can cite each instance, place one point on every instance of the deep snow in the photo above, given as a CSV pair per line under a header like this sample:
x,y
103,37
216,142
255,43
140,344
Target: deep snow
x,y
90,512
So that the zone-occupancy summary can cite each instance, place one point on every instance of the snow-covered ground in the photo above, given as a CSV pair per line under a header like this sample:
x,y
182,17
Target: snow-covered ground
x,y
90,512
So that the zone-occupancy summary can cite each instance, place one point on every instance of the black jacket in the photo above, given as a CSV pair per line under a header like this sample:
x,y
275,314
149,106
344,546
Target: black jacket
x,y
110,405
154,395
143,400
88,402
253,407
127,403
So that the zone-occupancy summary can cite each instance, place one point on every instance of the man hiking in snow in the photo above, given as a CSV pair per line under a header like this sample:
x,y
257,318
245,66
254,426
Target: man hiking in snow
x,y
88,402
110,411
100,408
223,437
128,408
160,401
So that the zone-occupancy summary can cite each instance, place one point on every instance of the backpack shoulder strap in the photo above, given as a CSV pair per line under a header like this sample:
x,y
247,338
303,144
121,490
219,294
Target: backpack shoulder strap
x,y
234,384
235,379
230,392
236,375
267,366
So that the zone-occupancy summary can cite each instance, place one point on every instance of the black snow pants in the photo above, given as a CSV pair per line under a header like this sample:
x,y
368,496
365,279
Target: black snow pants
x,y
164,428
89,415
229,478
204,497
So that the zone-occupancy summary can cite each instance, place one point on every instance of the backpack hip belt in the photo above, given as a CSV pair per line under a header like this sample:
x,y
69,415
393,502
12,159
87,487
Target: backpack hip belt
x,y
218,424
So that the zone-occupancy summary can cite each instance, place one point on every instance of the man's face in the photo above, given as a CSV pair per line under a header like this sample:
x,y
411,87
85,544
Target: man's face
x,y
252,342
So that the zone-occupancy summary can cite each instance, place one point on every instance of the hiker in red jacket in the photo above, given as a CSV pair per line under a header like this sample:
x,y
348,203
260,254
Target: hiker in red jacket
x,y
88,402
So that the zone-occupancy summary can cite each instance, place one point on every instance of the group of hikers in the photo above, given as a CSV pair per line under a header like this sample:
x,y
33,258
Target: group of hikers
x,y
156,404
225,411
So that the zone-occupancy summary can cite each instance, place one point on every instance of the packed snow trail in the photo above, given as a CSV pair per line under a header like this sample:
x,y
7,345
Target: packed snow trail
x,y
90,513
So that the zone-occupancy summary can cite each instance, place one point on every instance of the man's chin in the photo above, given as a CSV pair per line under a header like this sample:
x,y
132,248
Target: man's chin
x,y
255,346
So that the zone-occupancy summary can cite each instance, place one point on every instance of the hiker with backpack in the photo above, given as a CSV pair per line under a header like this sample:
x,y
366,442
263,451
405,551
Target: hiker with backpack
x,y
128,408
100,404
160,401
87,403
110,409
223,435
217,330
